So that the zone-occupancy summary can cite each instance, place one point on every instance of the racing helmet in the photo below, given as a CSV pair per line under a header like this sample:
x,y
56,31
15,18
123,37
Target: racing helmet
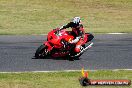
x,y
76,20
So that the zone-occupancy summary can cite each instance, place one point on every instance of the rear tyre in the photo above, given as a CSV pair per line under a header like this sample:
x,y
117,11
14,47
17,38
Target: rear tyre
x,y
90,37
41,52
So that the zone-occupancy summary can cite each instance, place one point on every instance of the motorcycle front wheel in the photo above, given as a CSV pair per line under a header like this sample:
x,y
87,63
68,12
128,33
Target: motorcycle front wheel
x,y
41,52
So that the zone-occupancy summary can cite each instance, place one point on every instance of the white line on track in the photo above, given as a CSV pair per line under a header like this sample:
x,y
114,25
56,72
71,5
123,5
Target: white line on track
x,y
104,33
116,33
71,71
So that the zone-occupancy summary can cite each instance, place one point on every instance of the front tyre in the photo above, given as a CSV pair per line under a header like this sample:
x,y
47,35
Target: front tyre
x,y
89,37
41,52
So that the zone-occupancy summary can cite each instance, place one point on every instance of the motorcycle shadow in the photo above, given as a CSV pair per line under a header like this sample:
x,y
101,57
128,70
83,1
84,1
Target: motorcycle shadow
x,y
59,58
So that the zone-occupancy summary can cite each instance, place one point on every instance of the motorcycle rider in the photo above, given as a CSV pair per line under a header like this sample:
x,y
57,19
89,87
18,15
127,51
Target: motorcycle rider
x,y
77,32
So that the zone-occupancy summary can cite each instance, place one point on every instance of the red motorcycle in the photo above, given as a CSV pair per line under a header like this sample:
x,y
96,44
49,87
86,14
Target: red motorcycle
x,y
57,45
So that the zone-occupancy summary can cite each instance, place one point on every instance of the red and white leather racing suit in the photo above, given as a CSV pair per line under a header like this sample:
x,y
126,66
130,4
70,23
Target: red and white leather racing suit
x,y
77,32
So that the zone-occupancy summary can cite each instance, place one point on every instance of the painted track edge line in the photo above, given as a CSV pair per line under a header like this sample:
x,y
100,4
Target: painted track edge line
x,y
116,33
69,71
103,33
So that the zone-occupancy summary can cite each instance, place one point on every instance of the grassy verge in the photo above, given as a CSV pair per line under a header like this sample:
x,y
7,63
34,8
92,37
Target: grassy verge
x,y
58,79
40,16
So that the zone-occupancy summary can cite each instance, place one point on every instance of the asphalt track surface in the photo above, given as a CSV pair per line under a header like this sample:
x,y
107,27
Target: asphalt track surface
x,y
108,52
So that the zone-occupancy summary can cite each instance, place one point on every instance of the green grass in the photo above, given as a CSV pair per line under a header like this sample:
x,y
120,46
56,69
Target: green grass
x,y
59,79
40,16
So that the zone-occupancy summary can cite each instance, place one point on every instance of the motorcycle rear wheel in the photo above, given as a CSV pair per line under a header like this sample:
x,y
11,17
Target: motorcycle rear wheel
x,y
41,52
